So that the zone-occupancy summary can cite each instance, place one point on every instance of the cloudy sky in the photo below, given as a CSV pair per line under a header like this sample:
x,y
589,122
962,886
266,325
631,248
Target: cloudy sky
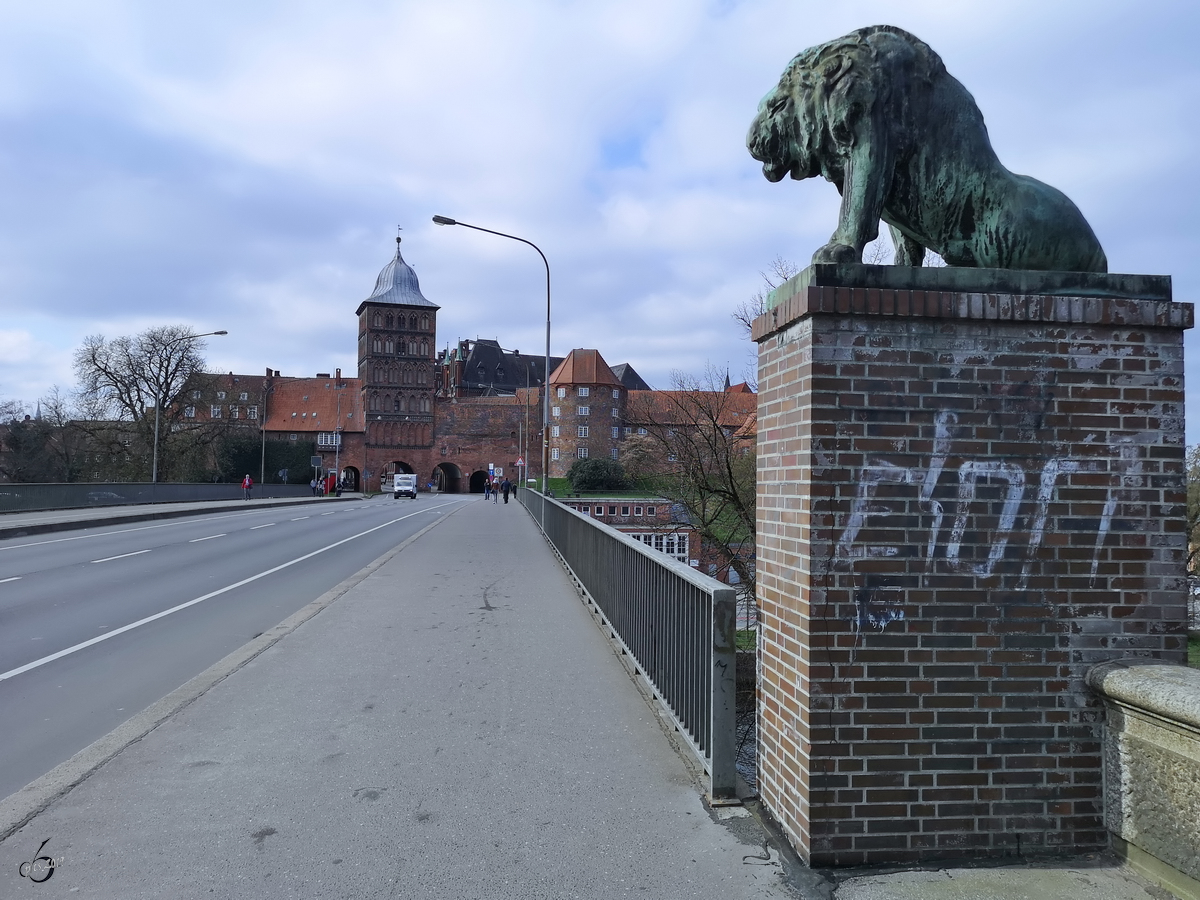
x,y
244,165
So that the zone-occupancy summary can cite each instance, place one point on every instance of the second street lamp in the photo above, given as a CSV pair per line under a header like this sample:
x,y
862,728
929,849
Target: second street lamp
x,y
446,220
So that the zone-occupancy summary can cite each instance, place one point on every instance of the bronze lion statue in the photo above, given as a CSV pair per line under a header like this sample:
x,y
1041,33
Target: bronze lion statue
x,y
876,113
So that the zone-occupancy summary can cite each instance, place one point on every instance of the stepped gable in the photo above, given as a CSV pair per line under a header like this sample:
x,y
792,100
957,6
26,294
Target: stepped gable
x,y
584,366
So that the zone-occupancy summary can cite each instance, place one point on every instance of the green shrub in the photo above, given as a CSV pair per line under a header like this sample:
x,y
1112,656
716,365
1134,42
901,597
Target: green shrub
x,y
597,475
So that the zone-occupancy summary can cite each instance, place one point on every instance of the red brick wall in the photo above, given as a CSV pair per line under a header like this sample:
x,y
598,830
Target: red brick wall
x,y
965,501
475,431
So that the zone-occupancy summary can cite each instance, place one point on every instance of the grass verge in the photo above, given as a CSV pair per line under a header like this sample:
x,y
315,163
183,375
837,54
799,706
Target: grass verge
x,y
1194,651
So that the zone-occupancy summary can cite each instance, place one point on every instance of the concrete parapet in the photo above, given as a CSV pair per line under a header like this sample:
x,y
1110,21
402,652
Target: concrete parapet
x,y
1152,768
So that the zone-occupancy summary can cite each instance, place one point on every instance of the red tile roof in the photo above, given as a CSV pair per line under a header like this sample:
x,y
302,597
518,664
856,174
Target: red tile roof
x,y
732,410
311,404
584,367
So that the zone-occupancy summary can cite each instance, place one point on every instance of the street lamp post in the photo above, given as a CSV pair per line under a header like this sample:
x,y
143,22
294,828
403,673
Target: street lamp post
x,y
159,400
445,220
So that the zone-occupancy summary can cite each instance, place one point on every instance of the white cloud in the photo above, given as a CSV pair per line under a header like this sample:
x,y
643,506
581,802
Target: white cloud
x,y
243,165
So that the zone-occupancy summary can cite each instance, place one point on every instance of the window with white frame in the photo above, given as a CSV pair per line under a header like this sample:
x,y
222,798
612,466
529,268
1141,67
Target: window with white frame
x,y
628,431
554,453
616,394
195,395
674,545
584,410
220,395
616,413
583,392
581,452
189,412
329,439
555,411
243,396
614,452
215,412
291,437
581,431
233,412
554,429
562,392
641,431
616,431
650,510
251,412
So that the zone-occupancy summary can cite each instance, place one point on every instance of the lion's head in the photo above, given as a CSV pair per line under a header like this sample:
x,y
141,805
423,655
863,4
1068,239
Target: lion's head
x,y
785,135
805,125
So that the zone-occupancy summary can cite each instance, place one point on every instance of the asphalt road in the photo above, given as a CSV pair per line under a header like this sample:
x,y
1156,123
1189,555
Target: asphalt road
x,y
97,624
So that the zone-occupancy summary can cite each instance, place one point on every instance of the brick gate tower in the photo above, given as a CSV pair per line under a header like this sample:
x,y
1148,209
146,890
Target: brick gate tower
x,y
396,346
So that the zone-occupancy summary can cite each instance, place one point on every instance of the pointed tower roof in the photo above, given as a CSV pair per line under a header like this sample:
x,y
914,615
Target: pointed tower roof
x,y
397,284
584,367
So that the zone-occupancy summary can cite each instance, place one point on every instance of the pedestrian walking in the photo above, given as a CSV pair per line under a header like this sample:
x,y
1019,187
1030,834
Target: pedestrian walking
x,y
487,488
506,486
247,483
313,484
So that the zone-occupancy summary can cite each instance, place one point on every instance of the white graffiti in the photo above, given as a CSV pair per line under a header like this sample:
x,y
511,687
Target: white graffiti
x,y
1013,481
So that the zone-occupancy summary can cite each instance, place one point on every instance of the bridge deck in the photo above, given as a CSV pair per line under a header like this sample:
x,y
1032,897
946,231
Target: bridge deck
x,y
453,725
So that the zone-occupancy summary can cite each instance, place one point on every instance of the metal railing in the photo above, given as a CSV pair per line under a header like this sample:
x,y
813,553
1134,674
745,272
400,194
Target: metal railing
x,y
28,497
677,625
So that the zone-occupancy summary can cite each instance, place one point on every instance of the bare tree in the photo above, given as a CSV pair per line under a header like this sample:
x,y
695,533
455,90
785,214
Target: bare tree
x,y
132,387
779,271
698,451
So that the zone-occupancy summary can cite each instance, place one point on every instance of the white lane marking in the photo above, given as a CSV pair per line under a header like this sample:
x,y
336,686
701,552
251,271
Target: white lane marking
x,y
122,556
11,673
255,527
301,517
209,538
183,520
6,580
334,513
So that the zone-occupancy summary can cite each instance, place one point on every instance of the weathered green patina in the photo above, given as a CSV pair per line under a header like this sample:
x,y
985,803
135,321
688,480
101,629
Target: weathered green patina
x,y
876,113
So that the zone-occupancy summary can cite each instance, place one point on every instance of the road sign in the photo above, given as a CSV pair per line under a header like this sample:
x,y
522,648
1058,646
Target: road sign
x,y
521,461
315,462
491,467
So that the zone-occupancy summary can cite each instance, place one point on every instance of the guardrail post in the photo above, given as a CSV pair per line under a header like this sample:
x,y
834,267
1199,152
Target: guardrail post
x,y
722,734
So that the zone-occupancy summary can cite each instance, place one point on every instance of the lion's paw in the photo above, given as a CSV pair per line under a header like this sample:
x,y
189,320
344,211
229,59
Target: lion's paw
x,y
837,254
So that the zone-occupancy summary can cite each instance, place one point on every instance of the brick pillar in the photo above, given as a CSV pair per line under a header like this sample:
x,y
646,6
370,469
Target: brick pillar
x,y
965,500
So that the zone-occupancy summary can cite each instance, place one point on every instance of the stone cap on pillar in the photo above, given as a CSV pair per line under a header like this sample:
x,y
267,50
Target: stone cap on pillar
x,y
1156,686
1004,295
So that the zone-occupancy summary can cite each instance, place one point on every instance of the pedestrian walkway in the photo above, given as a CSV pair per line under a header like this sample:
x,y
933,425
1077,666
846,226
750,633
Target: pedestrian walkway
x,y
448,723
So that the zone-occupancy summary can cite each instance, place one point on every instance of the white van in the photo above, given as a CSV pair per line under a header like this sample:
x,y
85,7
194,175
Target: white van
x,y
404,486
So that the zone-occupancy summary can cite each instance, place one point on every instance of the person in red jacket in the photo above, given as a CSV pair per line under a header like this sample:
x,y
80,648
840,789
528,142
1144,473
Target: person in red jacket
x,y
247,483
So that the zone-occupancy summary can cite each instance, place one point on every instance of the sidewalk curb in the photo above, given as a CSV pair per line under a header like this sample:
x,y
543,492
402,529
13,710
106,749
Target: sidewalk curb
x,y
12,531
20,808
